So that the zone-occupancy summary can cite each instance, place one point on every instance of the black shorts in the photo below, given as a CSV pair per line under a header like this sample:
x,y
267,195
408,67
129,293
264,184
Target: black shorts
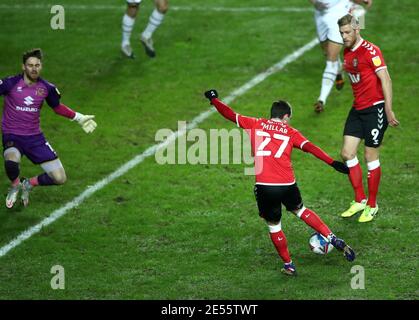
x,y
271,198
369,124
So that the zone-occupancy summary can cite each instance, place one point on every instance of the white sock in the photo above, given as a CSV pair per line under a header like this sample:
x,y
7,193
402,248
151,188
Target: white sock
x,y
127,26
329,76
339,65
373,165
155,20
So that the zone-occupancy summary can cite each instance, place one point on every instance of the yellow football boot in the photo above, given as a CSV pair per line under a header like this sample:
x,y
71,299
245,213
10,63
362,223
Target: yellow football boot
x,y
354,208
368,214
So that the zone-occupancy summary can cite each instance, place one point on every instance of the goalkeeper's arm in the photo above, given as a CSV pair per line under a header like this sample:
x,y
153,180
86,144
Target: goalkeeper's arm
x,y
85,121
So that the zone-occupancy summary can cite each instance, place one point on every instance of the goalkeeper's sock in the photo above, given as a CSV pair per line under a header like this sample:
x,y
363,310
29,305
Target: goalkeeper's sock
x,y
280,242
34,181
12,171
355,177
156,18
15,182
314,221
127,26
42,180
374,175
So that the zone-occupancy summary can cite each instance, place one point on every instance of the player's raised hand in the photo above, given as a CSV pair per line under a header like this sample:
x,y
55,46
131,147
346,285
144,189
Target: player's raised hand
x,y
391,118
340,167
211,94
86,121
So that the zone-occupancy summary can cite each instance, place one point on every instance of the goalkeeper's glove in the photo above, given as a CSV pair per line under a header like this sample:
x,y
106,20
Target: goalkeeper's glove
x,y
340,167
211,94
86,122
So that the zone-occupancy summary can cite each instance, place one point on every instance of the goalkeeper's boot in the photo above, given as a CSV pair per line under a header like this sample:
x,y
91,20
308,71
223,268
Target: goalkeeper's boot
x,y
12,196
319,106
148,46
26,189
368,214
354,208
339,82
127,51
289,269
341,245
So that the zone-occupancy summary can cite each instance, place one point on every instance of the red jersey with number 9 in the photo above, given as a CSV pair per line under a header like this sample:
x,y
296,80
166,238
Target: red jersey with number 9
x,y
272,143
361,64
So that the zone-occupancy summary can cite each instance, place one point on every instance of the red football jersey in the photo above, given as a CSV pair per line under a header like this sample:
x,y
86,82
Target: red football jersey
x,y
361,64
272,143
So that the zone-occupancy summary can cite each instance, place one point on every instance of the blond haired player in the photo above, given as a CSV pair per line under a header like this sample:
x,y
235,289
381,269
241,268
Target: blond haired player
x,y
371,113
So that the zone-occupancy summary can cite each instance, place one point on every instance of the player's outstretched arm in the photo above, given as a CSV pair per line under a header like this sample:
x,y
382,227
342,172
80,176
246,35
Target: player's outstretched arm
x,y
86,121
320,154
222,108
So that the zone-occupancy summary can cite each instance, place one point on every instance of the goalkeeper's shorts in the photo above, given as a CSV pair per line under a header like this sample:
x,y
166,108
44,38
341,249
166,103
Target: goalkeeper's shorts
x,y
36,148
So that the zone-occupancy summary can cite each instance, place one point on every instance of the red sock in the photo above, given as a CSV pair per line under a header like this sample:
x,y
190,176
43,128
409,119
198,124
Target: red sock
x,y
34,181
314,221
280,242
374,176
355,177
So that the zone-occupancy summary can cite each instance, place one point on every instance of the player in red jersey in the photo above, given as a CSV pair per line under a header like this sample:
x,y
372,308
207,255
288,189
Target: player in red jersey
x,y
369,117
272,143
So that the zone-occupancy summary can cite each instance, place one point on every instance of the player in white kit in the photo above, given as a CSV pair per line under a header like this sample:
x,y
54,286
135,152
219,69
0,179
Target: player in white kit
x,y
128,21
326,15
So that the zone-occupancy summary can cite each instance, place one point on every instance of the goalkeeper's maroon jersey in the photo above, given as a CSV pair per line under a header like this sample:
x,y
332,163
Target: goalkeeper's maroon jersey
x,y
272,143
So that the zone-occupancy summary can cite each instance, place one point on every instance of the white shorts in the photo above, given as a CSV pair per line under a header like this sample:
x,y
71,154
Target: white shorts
x,y
134,1
327,21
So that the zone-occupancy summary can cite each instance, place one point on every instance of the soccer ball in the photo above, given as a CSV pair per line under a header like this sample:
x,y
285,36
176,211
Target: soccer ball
x,y
319,244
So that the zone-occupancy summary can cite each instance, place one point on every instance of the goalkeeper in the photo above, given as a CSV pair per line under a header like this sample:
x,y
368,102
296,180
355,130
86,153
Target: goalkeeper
x,y
24,95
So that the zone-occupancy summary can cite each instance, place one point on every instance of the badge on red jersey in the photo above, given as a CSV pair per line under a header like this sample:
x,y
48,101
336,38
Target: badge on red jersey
x,y
377,61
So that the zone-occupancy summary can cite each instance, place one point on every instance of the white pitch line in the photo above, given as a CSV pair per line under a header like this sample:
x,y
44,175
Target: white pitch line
x,y
172,8
152,150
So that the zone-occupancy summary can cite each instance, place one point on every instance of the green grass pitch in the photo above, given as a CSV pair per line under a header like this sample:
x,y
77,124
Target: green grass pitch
x,y
192,231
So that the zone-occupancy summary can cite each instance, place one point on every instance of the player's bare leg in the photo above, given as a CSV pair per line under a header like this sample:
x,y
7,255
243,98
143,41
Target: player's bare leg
x,y
12,158
280,242
332,50
316,223
156,18
128,22
54,175
348,153
374,175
